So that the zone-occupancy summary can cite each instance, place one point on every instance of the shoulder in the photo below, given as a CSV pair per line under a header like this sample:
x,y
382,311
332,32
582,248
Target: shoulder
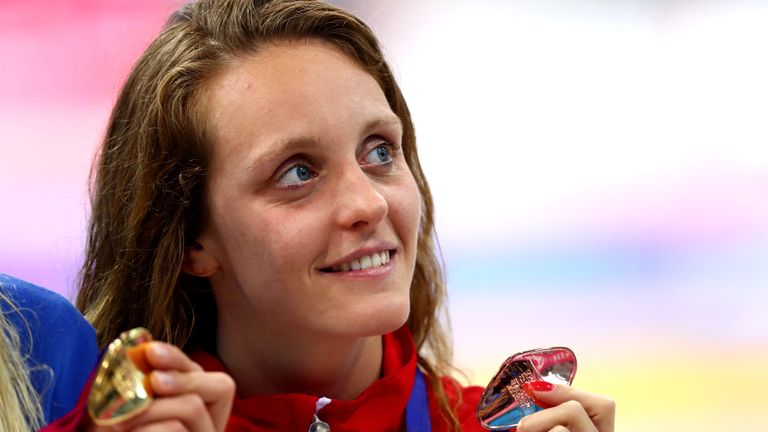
x,y
58,343
27,297
464,401
38,310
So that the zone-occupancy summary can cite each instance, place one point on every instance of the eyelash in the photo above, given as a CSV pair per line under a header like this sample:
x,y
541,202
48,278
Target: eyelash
x,y
296,165
392,148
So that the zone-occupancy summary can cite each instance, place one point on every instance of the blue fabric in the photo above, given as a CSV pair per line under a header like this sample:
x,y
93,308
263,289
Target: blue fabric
x,y
513,417
417,410
58,344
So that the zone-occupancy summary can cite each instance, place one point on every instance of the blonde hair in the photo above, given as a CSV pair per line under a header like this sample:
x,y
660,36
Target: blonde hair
x,y
147,196
21,410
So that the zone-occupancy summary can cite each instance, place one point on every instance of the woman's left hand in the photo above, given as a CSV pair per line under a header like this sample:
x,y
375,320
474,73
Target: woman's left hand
x,y
572,410
187,397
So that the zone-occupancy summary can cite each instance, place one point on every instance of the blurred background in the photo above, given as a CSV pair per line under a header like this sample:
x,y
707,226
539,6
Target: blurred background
x,y
600,170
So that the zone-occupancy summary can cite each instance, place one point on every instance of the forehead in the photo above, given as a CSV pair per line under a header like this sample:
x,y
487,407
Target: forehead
x,y
296,87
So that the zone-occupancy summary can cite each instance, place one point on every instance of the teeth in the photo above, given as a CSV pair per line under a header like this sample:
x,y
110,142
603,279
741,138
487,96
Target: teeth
x,y
371,261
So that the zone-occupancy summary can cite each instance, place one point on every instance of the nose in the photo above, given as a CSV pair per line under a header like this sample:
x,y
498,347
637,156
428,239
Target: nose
x,y
359,202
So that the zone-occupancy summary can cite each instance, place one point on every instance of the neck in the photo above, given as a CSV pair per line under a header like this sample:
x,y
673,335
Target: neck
x,y
333,367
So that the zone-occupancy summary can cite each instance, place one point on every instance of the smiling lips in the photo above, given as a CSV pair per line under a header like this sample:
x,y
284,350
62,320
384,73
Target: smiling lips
x,y
376,259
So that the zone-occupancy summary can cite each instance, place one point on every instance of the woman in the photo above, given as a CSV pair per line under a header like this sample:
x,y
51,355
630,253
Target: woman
x,y
47,352
259,203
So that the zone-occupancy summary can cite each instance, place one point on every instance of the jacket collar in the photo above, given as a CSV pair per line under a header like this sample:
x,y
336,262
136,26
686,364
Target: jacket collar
x,y
379,407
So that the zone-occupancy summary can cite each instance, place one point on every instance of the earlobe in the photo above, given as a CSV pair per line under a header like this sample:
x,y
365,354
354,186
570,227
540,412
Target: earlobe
x,y
199,262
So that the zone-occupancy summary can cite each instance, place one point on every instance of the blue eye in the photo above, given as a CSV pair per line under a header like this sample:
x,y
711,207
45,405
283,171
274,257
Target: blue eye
x,y
381,155
295,175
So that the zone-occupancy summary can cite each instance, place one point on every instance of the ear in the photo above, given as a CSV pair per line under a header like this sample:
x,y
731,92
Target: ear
x,y
199,262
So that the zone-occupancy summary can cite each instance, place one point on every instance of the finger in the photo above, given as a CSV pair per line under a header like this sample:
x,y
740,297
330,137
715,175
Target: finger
x,y
215,389
187,410
569,414
559,429
600,409
165,356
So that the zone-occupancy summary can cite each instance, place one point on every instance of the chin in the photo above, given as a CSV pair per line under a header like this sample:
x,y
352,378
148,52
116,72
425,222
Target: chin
x,y
384,317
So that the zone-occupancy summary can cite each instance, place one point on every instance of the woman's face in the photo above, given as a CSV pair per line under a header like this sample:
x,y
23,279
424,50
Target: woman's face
x,y
312,213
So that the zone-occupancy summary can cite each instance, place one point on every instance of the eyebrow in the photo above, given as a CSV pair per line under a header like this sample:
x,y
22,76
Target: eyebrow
x,y
383,120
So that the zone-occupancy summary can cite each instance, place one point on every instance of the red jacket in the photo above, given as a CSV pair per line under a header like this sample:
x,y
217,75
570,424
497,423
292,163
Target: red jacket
x,y
380,407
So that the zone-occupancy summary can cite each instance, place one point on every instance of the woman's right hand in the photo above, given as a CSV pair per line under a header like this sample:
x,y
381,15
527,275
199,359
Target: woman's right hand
x,y
187,398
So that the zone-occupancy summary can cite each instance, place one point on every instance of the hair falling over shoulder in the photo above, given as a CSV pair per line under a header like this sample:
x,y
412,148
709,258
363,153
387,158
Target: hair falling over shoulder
x,y
148,181
21,410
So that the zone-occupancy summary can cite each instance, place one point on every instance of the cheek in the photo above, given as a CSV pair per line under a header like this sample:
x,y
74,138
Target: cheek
x,y
408,208
270,257
276,241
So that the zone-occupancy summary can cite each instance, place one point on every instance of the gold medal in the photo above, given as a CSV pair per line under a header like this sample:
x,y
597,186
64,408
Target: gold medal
x,y
121,388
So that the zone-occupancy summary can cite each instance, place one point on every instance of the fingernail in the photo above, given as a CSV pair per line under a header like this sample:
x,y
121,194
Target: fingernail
x,y
162,379
540,385
159,350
